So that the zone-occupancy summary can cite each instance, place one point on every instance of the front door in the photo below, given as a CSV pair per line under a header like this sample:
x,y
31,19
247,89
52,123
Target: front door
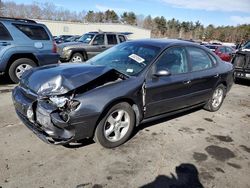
x,y
97,46
168,93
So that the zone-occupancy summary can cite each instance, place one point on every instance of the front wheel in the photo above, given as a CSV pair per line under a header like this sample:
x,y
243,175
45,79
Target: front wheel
x,y
76,58
216,99
116,126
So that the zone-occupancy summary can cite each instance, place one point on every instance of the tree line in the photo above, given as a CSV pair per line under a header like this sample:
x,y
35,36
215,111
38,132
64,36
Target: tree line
x,y
160,26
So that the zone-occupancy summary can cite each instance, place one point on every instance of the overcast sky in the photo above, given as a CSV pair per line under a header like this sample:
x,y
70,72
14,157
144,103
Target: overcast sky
x,y
217,12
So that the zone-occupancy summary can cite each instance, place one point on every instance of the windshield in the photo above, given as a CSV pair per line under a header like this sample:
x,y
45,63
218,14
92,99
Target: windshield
x,y
246,46
86,38
129,58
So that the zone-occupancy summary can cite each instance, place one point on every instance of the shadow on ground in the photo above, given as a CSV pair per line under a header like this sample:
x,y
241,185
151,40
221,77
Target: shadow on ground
x,y
4,80
86,142
187,176
79,144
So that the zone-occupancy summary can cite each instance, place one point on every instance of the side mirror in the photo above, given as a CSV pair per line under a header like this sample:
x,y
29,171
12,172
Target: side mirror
x,y
162,72
95,43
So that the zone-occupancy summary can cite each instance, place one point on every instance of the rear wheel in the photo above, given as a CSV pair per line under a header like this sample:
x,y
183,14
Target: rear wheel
x,y
116,126
18,67
216,99
76,58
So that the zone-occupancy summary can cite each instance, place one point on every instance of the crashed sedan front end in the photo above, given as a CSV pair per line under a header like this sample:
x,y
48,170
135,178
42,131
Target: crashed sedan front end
x,y
54,110
43,117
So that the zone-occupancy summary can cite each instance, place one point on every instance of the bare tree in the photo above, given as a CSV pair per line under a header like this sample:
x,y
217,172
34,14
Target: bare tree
x,y
159,25
1,8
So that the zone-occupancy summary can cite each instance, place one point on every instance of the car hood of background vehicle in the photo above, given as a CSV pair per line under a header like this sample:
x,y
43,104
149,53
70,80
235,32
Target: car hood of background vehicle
x,y
72,44
68,77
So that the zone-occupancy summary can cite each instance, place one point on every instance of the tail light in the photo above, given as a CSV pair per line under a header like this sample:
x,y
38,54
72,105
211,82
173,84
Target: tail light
x,y
54,49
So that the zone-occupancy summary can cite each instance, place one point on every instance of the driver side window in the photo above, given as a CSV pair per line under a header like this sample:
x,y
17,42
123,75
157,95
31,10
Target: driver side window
x,y
173,60
99,40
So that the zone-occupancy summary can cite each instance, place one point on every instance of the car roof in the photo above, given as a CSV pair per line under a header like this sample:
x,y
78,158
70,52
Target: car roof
x,y
96,32
20,21
164,43
17,20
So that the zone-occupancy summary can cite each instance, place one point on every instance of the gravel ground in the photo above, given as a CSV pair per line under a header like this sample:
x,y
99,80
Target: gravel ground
x,y
196,148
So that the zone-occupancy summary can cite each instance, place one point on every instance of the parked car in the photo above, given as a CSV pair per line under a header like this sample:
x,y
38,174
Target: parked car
x,y
62,38
225,52
89,45
133,82
241,62
74,38
212,47
24,44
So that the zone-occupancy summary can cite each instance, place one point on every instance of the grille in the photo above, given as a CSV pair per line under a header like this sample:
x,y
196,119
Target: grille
x,y
239,61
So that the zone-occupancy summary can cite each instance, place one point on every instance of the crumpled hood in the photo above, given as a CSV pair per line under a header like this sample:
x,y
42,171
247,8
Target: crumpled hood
x,y
62,78
72,45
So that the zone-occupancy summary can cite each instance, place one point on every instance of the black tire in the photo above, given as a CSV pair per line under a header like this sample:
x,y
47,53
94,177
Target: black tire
x,y
209,105
77,56
13,67
99,136
237,80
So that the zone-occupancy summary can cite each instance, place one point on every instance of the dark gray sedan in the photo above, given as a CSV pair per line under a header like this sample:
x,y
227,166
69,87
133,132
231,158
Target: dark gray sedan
x,y
133,82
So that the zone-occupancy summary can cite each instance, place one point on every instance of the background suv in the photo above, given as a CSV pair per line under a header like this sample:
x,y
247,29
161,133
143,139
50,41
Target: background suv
x,y
89,45
24,44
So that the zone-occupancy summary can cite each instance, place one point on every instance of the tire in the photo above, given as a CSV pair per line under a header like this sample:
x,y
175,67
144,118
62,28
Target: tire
x,y
216,100
18,67
76,58
106,133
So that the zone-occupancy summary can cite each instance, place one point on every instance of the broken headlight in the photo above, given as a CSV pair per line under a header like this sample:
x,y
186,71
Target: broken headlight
x,y
59,101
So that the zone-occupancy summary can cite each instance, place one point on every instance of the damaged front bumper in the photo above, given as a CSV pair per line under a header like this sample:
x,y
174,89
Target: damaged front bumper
x,y
42,118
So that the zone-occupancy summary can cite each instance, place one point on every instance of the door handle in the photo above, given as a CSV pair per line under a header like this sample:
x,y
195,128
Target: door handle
x,y
103,47
217,75
187,82
5,43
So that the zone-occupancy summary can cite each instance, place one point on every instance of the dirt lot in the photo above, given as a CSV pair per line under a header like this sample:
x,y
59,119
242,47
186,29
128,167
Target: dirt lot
x,y
193,148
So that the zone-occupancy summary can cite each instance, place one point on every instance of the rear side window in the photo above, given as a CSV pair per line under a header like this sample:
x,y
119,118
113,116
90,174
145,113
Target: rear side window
x,y
112,39
199,59
121,38
4,34
222,50
229,50
33,32
213,59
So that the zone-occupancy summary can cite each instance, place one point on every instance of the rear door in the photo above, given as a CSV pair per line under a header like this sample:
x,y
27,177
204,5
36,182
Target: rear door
x,y
5,40
204,75
38,35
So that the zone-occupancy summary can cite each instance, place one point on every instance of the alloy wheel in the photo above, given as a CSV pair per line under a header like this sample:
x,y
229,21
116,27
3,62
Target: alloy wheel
x,y
76,59
21,69
116,125
217,97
